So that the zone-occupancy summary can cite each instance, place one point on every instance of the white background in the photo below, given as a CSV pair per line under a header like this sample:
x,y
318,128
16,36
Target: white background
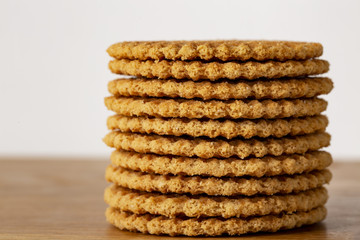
x,y
53,64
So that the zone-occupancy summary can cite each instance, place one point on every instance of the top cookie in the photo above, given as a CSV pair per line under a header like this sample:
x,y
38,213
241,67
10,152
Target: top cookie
x,y
224,50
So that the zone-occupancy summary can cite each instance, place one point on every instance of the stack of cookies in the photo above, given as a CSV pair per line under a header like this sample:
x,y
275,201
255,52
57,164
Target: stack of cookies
x,y
217,137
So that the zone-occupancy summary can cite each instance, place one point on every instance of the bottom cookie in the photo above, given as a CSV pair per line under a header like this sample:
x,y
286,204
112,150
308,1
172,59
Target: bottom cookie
x,y
159,225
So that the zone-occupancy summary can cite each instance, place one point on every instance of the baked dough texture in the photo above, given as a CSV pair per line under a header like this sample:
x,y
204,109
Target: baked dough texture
x,y
224,50
213,109
173,205
219,128
223,90
160,225
209,148
228,167
213,71
234,186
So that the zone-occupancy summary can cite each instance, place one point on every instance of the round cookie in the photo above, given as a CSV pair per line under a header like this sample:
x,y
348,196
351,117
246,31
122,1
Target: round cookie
x,y
172,205
225,50
160,225
230,167
213,109
208,148
218,70
216,186
219,128
223,90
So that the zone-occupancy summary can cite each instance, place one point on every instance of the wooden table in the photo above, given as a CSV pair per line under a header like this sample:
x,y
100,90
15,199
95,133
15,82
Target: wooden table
x,y
63,199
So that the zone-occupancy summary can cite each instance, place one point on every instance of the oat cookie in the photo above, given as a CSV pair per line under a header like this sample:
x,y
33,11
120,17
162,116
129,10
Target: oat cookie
x,y
224,90
229,167
197,70
216,186
172,205
208,148
225,50
160,225
250,109
218,128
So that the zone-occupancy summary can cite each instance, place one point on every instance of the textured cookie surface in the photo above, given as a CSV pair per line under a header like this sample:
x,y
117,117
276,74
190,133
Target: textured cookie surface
x,y
216,186
217,128
159,225
251,109
229,167
208,148
224,90
171,205
224,50
217,70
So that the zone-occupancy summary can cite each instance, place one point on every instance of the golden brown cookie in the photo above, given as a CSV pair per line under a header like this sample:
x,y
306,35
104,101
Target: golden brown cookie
x,y
229,167
216,186
224,50
219,128
224,90
160,225
197,70
172,205
251,109
208,148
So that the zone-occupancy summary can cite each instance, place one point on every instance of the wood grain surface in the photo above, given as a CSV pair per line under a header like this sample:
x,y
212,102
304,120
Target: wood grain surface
x,y
63,199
